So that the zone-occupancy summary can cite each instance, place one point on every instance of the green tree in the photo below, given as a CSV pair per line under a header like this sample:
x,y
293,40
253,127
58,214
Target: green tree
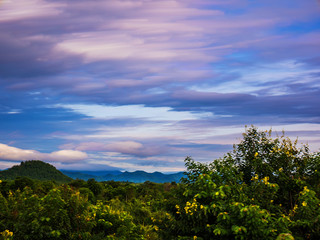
x,y
264,187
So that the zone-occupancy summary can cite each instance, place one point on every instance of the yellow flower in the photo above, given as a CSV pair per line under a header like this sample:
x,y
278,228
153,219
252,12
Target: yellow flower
x,y
195,237
6,233
271,201
156,228
256,154
280,169
265,180
304,203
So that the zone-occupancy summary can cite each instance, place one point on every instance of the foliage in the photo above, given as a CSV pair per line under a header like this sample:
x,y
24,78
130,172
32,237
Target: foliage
x,y
266,188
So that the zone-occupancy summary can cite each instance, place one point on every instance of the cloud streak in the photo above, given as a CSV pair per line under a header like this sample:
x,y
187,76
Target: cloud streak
x,y
131,148
145,83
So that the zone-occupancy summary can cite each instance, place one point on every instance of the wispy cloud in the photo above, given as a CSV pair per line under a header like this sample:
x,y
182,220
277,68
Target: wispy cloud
x,y
133,111
146,83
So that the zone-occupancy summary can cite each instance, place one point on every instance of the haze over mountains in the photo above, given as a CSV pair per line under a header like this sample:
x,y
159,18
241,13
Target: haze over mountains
x,y
43,171
137,176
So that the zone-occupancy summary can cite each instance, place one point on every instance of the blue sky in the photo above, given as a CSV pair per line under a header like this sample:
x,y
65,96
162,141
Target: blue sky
x,y
140,85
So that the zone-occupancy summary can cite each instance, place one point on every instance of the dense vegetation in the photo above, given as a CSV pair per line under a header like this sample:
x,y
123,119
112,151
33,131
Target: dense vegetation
x,y
266,188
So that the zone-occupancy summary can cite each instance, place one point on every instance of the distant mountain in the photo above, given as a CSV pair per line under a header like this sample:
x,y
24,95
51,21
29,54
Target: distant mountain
x,y
141,176
102,173
85,175
137,176
82,175
34,169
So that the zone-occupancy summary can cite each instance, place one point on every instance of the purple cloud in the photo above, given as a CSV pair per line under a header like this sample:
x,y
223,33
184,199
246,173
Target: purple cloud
x,y
132,148
192,68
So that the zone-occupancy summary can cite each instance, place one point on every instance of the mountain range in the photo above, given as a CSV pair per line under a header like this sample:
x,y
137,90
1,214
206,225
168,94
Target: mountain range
x,y
36,169
136,177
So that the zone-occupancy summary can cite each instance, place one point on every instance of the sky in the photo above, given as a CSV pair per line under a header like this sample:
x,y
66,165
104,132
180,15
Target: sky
x,y
142,84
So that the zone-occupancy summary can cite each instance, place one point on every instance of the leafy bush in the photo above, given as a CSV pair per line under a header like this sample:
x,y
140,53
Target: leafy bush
x,y
264,189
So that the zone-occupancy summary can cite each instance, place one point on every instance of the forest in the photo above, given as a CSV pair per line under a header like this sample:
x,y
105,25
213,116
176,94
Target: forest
x,y
266,188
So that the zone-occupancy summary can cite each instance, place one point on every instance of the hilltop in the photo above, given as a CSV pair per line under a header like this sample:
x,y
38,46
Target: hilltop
x,y
34,169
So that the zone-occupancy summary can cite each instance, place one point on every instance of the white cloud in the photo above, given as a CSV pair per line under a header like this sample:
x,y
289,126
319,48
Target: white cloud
x,y
260,77
133,111
117,147
18,154
67,156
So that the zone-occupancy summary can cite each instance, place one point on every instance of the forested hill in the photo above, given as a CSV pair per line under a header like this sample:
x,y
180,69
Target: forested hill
x,y
34,169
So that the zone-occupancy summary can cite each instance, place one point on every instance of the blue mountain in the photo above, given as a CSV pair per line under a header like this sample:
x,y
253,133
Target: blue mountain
x,y
136,177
